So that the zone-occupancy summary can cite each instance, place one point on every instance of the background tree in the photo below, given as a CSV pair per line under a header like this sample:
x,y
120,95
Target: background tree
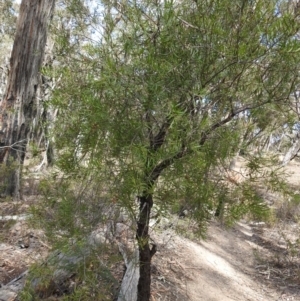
x,y
18,108
7,30
152,110
8,14
70,28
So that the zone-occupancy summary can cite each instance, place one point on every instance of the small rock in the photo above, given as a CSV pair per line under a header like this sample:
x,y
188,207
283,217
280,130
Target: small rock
x,y
24,243
6,295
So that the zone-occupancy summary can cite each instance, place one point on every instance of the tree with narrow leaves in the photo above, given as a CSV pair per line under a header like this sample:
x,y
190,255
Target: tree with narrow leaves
x,y
151,111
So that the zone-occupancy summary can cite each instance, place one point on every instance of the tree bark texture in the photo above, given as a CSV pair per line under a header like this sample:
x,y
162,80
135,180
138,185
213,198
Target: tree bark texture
x,y
145,253
19,105
129,286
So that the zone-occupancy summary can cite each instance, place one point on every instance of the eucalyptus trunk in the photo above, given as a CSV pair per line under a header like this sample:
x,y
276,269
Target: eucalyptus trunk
x,y
19,105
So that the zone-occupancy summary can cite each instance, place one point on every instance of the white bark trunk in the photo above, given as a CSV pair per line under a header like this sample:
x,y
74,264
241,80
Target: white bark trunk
x,y
292,152
128,291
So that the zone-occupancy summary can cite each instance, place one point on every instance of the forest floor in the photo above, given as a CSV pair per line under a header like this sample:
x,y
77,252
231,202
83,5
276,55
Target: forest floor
x,y
251,261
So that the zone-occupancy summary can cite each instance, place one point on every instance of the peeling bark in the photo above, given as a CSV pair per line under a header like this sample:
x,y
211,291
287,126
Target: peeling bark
x,y
19,105
128,290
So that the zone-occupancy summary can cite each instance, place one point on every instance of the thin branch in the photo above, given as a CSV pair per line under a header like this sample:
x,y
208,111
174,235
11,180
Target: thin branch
x,y
167,162
158,140
228,119
188,24
157,170
12,145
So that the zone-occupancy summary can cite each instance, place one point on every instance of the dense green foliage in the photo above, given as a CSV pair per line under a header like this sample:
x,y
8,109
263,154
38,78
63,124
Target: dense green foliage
x,y
167,91
163,101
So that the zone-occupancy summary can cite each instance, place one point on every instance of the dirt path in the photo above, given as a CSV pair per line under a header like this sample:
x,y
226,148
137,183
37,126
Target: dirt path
x,y
222,268
222,271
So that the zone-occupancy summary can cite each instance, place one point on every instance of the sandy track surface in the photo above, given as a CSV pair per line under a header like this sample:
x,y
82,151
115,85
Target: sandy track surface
x,y
221,268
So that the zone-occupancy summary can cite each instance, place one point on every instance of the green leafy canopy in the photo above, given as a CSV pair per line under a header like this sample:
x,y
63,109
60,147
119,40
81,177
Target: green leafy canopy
x,y
168,93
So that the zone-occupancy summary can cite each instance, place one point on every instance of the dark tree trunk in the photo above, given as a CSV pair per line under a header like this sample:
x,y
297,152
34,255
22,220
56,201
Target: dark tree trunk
x,y
145,253
19,105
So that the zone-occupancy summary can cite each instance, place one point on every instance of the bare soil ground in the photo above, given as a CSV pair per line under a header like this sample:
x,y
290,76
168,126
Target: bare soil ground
x,y
231,264
249,262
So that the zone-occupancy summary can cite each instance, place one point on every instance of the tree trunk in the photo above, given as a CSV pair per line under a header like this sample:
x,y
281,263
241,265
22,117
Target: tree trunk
x,y
129,286
19,105
292,151
145,253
